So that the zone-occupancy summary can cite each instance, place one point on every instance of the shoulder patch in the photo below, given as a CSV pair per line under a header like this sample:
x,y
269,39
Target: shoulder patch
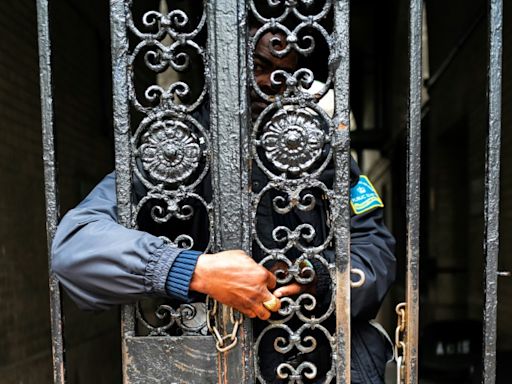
x,y
364,197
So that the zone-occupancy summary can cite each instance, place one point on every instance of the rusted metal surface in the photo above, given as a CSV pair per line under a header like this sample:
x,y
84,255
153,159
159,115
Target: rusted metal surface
x,y
413,191
171,360
341,61
492,189
50,180
119,44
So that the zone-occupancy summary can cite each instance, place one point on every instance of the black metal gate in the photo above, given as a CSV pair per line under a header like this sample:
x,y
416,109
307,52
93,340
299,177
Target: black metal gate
x,y
197,151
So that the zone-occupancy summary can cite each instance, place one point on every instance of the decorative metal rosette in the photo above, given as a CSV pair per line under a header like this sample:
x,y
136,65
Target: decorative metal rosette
x,y
172,149
170,152
293,141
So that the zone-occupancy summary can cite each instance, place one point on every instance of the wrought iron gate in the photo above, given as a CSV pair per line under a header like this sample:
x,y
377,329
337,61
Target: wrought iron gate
x,y
197,153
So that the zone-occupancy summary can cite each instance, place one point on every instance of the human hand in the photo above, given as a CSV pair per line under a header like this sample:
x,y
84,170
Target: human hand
x,y
235,279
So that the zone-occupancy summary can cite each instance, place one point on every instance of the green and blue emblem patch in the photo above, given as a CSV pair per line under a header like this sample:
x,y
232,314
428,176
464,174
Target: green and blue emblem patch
x,y
364,197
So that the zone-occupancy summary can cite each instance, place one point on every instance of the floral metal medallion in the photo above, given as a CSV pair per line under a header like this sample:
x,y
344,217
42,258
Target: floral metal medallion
x,y
170,152
293,141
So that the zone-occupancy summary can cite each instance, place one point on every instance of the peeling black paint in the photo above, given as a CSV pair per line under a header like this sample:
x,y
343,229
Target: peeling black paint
x,y
50,180
492,189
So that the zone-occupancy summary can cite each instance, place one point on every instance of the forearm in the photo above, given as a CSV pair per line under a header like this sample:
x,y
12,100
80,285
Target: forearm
x,y
101,263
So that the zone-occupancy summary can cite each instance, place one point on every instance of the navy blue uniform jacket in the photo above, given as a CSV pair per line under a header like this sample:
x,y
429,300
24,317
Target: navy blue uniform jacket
x,y
100,263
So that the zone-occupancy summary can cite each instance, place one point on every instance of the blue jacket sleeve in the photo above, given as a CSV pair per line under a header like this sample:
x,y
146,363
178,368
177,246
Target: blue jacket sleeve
x,y
99,262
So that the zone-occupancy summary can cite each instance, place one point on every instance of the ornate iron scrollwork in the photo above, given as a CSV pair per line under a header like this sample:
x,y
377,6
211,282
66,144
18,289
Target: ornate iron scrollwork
x,y
291,144
170,144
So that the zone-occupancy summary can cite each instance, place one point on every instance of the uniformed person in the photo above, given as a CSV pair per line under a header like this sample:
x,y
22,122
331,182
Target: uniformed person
x,y
100,263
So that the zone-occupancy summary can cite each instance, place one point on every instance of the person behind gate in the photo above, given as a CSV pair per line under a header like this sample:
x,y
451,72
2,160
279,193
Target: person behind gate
x,y
100,263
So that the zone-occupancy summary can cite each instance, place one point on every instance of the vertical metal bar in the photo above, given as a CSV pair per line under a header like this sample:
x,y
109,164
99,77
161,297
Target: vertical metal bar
x,y
492,189
341,51
122,134
228,120
413,190
246,333
50,180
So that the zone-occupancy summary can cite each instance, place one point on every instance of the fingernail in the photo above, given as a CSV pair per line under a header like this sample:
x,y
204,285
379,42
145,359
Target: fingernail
x,y
277,294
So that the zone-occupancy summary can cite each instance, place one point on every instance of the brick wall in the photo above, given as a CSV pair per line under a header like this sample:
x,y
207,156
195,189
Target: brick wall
x,y
24,324
82,89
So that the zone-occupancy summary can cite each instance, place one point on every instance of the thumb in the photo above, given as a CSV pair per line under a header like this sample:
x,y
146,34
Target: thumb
x,y
288,290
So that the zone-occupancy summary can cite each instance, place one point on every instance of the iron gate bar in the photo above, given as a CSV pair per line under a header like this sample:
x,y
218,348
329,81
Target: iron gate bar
x,y
50,182
413,190
342,185
228,123
121,123
492,189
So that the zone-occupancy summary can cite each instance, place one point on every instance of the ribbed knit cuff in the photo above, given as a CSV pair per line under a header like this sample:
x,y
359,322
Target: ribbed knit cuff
x,y
180,274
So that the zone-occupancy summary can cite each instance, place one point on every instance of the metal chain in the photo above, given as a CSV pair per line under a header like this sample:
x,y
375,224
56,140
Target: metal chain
x,y
401,310
226,342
